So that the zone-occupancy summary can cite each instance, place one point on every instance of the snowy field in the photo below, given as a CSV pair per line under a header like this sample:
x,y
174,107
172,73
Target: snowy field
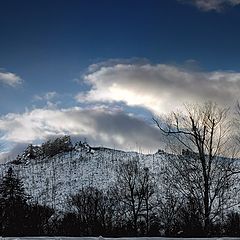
x,y
100,238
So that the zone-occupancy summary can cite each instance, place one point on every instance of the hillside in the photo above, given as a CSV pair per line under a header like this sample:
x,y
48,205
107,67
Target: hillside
x,y
51,180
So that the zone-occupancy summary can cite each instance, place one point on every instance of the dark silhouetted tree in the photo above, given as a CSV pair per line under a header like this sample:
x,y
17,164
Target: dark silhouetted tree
x,y
13,203
134,189
56,146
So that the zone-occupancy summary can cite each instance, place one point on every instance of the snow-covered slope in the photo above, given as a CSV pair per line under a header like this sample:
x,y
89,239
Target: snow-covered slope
x,y
101,238
52,180
132,238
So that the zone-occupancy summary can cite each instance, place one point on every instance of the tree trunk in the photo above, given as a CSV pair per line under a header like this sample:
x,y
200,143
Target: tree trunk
x,y
206,208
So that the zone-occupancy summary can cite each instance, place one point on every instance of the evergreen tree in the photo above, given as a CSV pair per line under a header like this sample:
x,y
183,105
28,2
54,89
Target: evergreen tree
x,y
13,204
58,145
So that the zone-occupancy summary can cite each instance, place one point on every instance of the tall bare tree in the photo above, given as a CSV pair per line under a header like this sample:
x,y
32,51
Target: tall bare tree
x,y
206,171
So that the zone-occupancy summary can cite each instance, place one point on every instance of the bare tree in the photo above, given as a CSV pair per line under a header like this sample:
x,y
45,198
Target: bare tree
x,y
206,171
237,123
135,189
95,210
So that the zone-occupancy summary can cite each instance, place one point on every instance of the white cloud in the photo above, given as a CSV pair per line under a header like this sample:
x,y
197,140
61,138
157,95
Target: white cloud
x,y
99,126
208,5
10,79
159,88
46,96
49,98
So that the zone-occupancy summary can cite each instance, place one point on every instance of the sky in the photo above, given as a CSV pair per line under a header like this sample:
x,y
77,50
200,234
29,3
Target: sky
x,y
99,70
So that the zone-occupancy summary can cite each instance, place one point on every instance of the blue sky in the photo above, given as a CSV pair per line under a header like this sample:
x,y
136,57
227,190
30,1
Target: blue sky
x,y
117,61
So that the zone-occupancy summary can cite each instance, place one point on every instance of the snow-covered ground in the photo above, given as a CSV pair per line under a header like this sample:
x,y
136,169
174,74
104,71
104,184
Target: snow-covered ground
x,y
134,238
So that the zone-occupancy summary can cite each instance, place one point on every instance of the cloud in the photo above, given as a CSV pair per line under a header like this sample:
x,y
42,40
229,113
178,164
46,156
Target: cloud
x,y
159,88
99,126
10,79
17,148
46,96
209,5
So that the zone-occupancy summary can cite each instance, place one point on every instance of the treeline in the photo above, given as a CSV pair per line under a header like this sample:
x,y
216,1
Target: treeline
x,y
134,206
50,148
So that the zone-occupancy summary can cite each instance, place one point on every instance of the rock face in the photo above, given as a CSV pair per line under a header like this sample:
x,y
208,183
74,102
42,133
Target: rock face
x,y
51,180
